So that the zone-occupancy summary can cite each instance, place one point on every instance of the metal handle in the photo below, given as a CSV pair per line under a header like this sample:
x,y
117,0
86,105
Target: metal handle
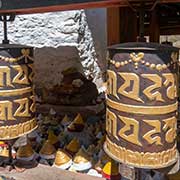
x,y
6,18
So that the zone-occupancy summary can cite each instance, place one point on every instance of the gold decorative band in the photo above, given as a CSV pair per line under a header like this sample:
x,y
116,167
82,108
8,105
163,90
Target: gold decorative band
x,y
25,54
153,110
141,159
15,92
136,59
15,131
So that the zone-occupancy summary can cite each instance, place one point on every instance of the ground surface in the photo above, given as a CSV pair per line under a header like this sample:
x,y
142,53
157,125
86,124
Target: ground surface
x,y
47,173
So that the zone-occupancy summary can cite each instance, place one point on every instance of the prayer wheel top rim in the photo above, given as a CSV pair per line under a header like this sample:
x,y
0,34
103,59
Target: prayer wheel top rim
x,y
13,46
136,46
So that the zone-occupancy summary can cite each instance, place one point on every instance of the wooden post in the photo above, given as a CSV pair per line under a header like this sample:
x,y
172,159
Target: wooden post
x,y
154,31
113,26
121,25
128,25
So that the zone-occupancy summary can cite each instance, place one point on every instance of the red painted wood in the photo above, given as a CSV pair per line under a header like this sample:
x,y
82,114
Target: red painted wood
x,y
73,6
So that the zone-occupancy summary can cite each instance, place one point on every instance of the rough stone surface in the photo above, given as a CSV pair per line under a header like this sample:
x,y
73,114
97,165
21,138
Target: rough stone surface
x,y
63,39
50,62
175,39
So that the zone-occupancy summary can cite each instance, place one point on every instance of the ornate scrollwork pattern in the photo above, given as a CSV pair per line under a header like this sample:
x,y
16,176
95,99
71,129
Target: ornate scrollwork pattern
x,y
142,108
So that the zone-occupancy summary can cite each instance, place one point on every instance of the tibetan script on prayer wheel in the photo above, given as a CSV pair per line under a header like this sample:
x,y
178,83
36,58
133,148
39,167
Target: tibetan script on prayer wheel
x,y
141,115
17,100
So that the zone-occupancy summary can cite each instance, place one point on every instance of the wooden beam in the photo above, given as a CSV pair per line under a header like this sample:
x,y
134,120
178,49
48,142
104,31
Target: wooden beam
x,y
170,30
113,25
41,6
169,1
166,30
121,25
154,33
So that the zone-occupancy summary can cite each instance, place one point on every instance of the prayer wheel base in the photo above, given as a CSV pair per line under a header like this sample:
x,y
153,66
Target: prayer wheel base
x,y
141,158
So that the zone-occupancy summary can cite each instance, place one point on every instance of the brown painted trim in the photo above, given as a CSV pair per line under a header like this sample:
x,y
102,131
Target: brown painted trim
x,y
73,6
62,6
113,25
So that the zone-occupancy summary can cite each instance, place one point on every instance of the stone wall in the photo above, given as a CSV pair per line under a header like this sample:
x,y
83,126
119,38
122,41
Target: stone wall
x,y
175,39
62,40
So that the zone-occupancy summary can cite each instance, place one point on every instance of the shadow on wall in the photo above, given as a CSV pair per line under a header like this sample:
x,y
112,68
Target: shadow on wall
x,y
50,62
97,22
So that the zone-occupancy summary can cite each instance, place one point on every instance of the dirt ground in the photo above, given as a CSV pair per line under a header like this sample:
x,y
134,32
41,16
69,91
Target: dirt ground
x,y
47,173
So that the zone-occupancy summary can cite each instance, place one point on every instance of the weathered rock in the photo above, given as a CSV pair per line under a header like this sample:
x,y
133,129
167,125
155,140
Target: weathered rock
x,y
75,89
63,39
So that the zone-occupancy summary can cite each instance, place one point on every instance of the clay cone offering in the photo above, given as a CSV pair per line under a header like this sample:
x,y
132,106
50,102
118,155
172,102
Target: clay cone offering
x,y
62,160
3,144
82,161
77,125
4,152
99,166
34,138
47,151
65,121
73,146
47,120
25,153
93,172
52,138
52,112
111,171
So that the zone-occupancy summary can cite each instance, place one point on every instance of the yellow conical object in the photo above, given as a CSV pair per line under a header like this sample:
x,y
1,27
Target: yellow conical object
x,y
78,119
52,138
71,127
2,143
77,124
47,120
111,168
61,158
47,149
4,152
72,169
25,151
73,146
81,157
54,121
174,176
65,120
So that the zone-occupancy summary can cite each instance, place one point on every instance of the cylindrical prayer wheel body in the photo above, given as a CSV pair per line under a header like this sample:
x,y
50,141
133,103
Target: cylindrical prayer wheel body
x,y
17,100
142,105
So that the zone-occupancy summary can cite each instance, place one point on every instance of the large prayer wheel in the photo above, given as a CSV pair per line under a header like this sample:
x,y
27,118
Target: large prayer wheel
x,y
17,100
142,105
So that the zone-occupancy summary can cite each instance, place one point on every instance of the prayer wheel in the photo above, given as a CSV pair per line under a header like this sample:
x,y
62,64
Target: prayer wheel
x,y
17,100
141,116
